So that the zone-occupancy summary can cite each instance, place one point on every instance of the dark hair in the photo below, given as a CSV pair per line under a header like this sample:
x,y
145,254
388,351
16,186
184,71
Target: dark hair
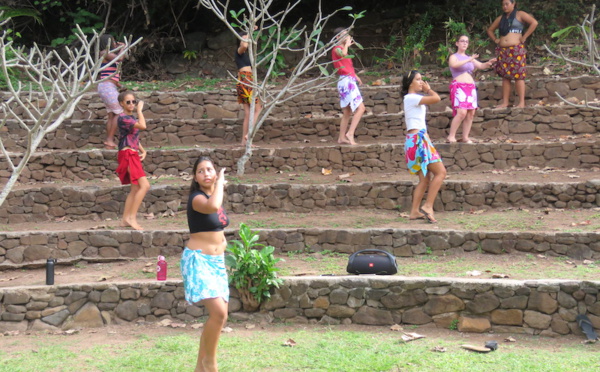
x,y
195,186
407,80
122,95
105,41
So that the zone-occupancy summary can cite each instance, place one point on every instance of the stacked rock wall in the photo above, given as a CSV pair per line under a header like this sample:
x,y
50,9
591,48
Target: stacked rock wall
x,y
18,250
534,307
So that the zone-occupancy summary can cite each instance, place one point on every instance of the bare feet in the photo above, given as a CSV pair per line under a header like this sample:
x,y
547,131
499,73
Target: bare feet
x,y
502,105
465,140
450,140
350,139
109,145
133,224
416,216
342,141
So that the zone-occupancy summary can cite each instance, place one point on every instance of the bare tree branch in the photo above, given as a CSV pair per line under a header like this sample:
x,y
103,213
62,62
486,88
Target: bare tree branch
x,y
49,90
310,44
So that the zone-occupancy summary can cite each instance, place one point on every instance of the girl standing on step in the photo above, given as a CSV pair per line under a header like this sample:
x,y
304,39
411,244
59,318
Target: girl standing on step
x,y
463,92
108,90
351,100
510,49
203,259
244,86
421,157
130,157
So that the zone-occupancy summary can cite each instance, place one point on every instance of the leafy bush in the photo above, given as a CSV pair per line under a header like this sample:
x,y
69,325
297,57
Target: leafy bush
x,y
252,271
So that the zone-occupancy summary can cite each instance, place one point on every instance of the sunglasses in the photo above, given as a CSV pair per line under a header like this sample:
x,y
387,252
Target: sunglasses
x,y
130,102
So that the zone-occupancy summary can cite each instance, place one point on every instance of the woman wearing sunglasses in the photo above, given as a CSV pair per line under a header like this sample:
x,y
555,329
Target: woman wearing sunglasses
x,y
130,157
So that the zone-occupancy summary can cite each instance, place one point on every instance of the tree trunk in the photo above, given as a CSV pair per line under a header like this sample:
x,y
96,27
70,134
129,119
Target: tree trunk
x,y
249,302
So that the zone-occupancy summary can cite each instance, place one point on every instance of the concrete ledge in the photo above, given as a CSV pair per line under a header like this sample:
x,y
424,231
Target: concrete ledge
x,y
538,307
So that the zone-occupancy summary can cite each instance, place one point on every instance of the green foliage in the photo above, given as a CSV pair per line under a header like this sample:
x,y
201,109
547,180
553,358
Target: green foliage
x,y
405,50
453,325
252,271
269,41
89,22
190,55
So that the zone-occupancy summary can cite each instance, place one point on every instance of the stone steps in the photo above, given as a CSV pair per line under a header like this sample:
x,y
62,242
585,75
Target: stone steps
x,y
500,232
381,156
164,132
378,99
37,204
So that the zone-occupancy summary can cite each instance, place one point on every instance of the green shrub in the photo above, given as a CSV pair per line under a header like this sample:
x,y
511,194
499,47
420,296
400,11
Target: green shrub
x,y
252,272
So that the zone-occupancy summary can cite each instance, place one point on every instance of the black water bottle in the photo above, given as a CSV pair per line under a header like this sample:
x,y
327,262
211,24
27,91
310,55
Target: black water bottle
x,y
50,271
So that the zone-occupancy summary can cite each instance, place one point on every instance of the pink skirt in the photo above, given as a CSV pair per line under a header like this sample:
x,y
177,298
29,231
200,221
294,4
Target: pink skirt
x,y
463,96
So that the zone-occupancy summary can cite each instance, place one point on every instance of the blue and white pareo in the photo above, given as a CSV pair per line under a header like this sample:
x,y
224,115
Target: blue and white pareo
x,y
204,276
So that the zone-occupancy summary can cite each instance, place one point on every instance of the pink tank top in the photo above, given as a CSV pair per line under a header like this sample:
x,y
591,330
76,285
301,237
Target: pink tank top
x,y
467,67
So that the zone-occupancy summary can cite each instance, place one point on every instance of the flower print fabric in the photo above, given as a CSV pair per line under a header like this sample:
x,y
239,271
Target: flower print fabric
x,y
419,152
512,62
463,96
204,276
349,92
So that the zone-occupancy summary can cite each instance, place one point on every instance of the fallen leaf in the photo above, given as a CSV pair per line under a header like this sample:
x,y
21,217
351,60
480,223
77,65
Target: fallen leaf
x,y
98,227
510,339
104,278
197,325
177,325
500,276
439,349
537,138
227,330
396,327
587,262
573,176
479,211
326,172
71,332
289,342
407,337
541,256
250,326
474,273
377,83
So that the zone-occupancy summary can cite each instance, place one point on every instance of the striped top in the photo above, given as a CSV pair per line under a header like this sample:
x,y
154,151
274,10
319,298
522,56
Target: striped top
x,y
106,71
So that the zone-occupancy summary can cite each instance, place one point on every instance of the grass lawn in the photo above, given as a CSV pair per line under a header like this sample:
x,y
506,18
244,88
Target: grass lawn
x,y
317,348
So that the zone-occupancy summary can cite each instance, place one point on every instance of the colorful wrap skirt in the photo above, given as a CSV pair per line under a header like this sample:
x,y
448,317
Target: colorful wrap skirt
x,y
244,86
109,94
463,96
204,276
419,152
511,62
349,93
130,168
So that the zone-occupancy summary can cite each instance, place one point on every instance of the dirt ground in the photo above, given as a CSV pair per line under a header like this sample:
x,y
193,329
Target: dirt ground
x,y
126,333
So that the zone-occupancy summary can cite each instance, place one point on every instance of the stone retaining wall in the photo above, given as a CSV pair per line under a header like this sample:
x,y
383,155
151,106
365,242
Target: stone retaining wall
x,y
100,165
31,249
377,99
544,307
48,203
538,120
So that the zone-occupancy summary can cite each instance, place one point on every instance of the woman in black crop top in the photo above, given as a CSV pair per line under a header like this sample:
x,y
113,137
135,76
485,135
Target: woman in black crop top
x,y
203,260
510,49
243,87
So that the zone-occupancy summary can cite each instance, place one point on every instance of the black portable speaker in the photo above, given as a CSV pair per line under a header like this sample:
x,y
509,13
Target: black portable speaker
x,y
372,261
